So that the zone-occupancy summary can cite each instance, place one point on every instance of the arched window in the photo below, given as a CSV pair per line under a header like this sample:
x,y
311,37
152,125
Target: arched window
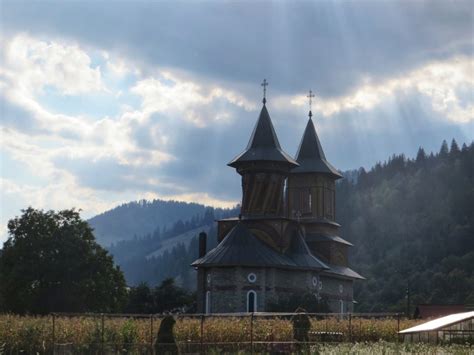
x,y
251,301
208,302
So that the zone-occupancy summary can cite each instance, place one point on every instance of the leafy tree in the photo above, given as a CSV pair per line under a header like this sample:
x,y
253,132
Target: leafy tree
x,y
51,262
169,297
164,298
140,299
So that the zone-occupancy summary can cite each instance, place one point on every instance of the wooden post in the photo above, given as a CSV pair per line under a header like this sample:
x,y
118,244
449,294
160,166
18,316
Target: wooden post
x,y
350,327
251,332
398,327
202,334
102,332
54,333
151,332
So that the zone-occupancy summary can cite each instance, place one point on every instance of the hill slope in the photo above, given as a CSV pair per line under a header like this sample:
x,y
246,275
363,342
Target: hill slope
x,y
140,218
412,225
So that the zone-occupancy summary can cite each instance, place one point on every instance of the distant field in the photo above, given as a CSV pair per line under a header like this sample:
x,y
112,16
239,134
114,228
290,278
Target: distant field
x,y
86,335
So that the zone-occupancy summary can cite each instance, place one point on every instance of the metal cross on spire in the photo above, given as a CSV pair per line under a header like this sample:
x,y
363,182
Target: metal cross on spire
x,y
264,84
310,96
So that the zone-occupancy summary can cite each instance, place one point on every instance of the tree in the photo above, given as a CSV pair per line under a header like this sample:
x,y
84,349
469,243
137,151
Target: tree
x,y
140,299
51,262
168,297
421,155
444,150
454,147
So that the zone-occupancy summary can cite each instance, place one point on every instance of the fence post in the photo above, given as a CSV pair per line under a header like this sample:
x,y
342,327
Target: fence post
x,y
54,333
102,335
398,327
151,332
251,332
350,327
201,339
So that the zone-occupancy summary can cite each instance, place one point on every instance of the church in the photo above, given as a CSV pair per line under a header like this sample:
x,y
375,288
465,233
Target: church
x,y
286,238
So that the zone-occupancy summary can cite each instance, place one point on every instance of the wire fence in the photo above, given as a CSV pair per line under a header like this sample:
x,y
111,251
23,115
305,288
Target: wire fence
x,y
200,334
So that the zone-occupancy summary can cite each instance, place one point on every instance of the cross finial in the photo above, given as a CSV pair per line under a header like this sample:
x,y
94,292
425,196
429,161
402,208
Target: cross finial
x,y
264,84
310,96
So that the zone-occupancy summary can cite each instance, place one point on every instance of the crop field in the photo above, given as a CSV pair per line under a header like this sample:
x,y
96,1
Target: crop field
x,y
87,334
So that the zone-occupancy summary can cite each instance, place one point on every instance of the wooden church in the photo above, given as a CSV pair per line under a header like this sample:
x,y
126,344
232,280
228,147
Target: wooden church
x,y
286,239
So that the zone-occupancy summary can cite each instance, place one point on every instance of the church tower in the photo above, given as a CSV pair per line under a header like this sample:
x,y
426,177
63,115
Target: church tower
x,y
264,167
312,196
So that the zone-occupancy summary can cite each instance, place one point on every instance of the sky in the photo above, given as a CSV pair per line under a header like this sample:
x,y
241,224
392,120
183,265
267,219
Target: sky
x,y
105,102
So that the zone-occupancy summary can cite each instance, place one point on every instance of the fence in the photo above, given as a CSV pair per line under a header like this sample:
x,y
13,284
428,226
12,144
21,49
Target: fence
x,y
199,333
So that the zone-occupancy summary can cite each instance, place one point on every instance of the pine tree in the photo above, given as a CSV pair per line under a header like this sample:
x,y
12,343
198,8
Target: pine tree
x,y
454,147
444,151
421,155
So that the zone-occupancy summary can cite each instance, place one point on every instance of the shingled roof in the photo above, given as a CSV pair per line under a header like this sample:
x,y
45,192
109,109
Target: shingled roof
x,y
343,271
301,255
310,155
241,248
318,237
263,144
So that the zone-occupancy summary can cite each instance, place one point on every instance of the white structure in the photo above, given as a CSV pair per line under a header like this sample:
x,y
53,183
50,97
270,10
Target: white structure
x,y
457,327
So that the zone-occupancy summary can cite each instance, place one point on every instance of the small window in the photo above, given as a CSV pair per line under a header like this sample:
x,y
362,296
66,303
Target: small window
x,y
208,302
208,278
251,301
305,201
252,277
320,285
341,288
315,281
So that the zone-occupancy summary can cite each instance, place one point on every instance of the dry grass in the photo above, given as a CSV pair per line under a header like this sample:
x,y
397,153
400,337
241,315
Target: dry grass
x,y
34,334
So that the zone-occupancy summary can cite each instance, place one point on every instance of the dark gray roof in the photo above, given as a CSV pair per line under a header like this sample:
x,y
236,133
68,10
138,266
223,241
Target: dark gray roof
x,y
241,248
263,144
316,237
300,253
310,155
343,271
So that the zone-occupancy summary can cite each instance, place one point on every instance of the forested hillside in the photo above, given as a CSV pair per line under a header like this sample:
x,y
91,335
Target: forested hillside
x,y
168,252
411,222
140,218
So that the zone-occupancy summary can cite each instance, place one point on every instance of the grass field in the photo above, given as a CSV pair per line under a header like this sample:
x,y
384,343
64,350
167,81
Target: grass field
x,y
135,335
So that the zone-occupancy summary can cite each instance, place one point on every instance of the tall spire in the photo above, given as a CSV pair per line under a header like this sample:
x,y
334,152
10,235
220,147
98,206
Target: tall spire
x,y
263,144
264,84
310,155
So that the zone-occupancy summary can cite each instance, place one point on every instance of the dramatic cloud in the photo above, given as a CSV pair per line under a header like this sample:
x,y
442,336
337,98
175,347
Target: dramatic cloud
x,y
332,45
446,84
102,103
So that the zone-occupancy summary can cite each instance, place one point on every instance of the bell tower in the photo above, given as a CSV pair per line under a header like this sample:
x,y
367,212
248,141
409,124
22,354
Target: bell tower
x,y
264,167
311,198
311,186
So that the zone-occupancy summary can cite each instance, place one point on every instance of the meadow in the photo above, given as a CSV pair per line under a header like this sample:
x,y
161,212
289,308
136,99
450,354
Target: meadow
x,y
85,334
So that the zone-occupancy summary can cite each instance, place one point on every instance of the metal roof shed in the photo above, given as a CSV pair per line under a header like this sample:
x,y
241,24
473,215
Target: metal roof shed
x,y
458,327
